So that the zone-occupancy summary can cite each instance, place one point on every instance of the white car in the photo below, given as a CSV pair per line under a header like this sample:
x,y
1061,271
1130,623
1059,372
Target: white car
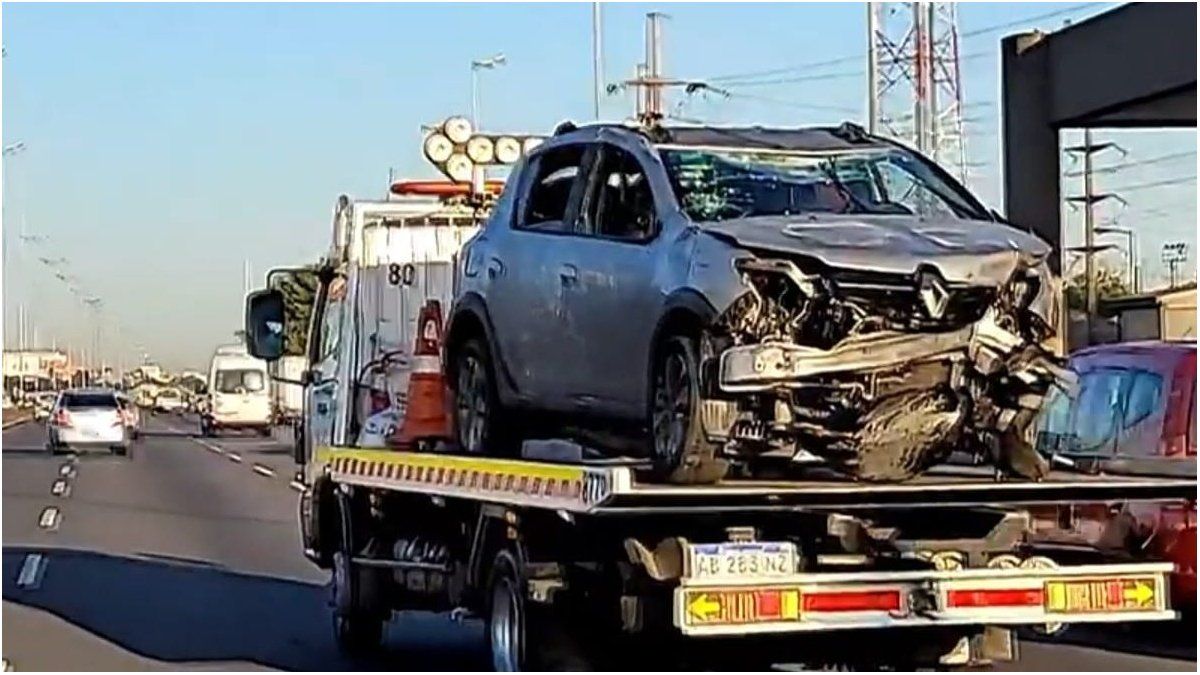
x,y
87,418
168,401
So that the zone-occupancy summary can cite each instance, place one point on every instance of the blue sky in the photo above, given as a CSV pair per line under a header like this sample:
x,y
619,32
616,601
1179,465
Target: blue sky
x,y
168,143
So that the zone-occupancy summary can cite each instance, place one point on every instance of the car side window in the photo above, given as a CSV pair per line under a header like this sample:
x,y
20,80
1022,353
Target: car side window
x,y
548,200
620,203
1145,396
1098,411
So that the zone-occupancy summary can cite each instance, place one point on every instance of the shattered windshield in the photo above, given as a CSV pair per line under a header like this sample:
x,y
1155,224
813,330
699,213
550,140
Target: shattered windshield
x,y
724,183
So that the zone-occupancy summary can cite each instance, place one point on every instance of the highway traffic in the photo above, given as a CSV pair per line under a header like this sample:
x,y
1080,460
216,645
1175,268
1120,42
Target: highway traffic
x,y
183,556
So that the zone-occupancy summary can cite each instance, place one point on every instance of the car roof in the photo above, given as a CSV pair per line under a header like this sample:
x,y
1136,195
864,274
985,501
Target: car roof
x,y
1138,347
846,136
1165,355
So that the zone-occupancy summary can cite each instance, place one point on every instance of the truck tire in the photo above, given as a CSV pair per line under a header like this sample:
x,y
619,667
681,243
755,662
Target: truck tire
x,y
358,614
679,448
525,635
357,629
480,424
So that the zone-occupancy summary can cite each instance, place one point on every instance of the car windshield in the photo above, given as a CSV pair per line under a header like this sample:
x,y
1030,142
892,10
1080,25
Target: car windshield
x,y
723,183
78,401
239,381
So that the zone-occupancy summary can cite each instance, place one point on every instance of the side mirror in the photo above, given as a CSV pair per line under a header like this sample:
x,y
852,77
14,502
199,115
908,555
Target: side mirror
x,y
265,324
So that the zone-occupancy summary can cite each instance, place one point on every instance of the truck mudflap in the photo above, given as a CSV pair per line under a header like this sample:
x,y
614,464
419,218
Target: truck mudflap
x,y
1032,593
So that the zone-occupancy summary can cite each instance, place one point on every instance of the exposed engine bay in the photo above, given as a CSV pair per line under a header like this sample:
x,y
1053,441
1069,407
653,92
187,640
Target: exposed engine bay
x,y
882,375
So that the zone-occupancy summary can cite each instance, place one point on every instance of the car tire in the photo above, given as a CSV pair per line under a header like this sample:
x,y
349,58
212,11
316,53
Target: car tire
x,y
120,450
680,450
265,432
480,424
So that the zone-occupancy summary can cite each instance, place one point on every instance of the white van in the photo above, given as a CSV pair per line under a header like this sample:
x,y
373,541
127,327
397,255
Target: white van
x,y
239,397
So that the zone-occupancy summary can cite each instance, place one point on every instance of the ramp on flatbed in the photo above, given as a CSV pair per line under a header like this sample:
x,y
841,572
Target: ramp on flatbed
x,y
611,489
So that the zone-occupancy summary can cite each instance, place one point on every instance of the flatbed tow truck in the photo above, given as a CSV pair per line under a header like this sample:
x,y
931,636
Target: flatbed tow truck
x,y
577,563
562,558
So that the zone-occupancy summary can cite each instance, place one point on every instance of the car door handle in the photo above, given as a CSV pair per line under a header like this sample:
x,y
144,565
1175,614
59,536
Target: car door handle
x,y
322,408
495,268
568,274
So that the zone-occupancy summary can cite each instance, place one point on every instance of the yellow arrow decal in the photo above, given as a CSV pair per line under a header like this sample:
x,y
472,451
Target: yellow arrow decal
x,y
1139,592
702,608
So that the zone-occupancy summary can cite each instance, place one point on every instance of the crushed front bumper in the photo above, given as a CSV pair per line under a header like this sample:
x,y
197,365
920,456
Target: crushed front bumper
x,y
985,344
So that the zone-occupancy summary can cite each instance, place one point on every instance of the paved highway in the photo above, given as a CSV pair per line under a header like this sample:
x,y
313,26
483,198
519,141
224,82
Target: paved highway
x,y
185,556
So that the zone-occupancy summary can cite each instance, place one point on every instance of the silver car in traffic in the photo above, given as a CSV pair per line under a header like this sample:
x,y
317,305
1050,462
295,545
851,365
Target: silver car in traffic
x,y
745,294
88,418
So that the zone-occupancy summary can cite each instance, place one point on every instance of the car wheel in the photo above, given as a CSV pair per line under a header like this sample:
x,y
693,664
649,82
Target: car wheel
x,y
679,449
478,419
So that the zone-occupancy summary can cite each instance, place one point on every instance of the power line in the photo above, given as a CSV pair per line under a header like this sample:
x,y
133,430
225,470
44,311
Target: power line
x,y
1040,17
1155,184
829,76
1125,165
754,74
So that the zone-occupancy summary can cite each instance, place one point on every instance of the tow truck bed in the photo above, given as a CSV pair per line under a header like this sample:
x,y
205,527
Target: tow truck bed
x,y
611,489
820,555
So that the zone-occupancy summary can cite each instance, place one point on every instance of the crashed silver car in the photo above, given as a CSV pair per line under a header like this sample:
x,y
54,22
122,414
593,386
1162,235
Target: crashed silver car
x,y
717,297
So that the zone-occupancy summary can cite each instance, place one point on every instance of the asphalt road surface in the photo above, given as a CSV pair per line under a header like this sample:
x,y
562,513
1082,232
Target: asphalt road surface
x,y
185,555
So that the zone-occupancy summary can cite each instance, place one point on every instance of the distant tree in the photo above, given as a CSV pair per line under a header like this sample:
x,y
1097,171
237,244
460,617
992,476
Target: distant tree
x,y
299,295
1109,284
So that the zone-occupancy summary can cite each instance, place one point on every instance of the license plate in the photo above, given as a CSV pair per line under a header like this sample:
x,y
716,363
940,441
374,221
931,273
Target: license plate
x,y
90,433
739,560
1102,595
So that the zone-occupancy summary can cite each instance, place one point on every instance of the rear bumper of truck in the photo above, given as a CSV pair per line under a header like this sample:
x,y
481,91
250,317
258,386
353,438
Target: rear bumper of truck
x,y
1024,595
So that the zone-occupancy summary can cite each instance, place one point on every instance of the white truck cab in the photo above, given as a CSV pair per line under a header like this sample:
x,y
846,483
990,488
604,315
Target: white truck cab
x,y
387,258
239,396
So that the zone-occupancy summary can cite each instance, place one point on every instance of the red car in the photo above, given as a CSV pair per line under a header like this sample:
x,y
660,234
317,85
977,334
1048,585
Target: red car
x,y
1135,414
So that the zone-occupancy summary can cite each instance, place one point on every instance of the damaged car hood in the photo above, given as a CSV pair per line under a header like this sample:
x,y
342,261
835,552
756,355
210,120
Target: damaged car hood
x,y
964,251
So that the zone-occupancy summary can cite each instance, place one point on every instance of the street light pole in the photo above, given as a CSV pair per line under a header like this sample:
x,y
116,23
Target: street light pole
x,y
597,60
489,63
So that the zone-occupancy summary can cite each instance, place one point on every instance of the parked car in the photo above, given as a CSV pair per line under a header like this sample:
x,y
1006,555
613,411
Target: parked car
x,y
131,415
748,293
85,418
1135,414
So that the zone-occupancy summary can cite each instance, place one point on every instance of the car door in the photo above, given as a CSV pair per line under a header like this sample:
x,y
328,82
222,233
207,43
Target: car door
x,y
612,302
322,395
527,274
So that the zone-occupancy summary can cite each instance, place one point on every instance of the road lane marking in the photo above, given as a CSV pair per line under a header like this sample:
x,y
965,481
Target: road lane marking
x,y
297,486
30,576
215,448
50,518
234,457
66,470
264,470
61,488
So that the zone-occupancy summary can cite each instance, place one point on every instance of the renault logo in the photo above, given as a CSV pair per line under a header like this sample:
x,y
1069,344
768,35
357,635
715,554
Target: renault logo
x,y
933,293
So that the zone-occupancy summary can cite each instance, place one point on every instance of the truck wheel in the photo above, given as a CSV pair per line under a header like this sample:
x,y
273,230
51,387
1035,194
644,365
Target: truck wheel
x,y
479,421
523,635
679,449
357,630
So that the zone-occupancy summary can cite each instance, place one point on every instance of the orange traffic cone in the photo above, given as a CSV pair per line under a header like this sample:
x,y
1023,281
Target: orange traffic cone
x,y
425,419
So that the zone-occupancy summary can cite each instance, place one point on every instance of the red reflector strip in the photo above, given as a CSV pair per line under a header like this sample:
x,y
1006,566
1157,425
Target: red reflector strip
x,y
851,601
1001,597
